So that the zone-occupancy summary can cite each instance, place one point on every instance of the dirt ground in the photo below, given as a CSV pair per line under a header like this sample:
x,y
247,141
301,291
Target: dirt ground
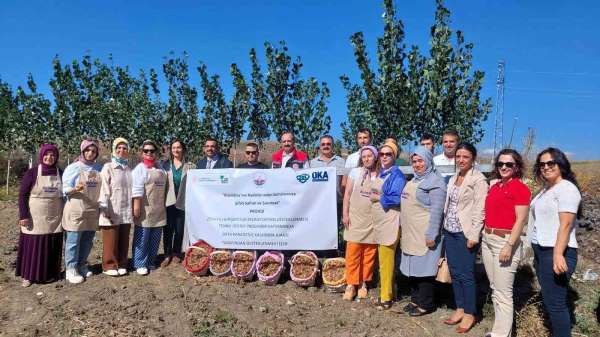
x,y
169,302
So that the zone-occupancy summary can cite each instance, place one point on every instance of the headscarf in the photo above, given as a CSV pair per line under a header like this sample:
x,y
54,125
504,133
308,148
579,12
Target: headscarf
x,y
373,149
427,156
114,157
84,145
393,146
45,148
149,163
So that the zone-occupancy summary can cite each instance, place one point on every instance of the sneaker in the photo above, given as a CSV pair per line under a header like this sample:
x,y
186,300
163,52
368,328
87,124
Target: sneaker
x,y
111,272
73,276
25,283
142,271
85,271
122,271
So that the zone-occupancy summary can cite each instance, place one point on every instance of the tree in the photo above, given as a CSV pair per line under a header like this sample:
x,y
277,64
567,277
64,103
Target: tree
x,y
411,94
182,119
215,109
8,125
258,118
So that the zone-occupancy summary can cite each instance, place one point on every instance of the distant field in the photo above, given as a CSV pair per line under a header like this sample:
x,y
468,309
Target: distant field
x,y
588,176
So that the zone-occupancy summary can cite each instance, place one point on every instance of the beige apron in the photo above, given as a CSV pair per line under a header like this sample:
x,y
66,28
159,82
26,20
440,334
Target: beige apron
x,y
414,220
154,212
81,210
119,206
386,224
361,220
45,204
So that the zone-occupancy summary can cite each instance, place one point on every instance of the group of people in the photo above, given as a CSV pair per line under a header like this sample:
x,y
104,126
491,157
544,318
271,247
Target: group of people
x,y
434,217
431,216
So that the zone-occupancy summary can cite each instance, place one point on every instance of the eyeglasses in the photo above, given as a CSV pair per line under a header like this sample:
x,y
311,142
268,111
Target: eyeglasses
x,y
385,154
509,164
251,152
325,144
149,150
549,164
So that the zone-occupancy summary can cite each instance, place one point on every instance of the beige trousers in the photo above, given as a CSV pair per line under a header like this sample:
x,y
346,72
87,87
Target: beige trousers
x,y
501,279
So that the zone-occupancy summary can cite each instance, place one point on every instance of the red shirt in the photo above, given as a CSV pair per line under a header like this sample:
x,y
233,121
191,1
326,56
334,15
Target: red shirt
x,y
501,201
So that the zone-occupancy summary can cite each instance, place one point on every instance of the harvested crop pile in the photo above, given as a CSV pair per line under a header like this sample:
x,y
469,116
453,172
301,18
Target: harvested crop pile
x,y
269,266
305,266
197,258
334,271
243,264
220,262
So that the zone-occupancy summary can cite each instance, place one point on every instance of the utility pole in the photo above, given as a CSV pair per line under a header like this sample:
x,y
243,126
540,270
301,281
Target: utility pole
x,y
499,121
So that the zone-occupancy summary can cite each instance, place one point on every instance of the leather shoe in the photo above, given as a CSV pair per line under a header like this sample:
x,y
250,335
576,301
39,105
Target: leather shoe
x,y
416,312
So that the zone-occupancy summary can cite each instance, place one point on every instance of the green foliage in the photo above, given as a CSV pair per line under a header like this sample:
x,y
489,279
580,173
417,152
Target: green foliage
x,y
411,94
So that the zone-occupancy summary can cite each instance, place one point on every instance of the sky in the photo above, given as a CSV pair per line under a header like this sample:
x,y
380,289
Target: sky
x,y
551,48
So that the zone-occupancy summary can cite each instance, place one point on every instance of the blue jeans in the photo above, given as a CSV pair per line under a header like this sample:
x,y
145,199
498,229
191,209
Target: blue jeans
x,y
555,287
78,246
145,246
461,262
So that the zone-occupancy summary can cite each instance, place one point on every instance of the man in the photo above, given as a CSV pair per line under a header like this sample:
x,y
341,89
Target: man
x,y
213,159
288,155
450,141
252,155
363,138
427,141
327,158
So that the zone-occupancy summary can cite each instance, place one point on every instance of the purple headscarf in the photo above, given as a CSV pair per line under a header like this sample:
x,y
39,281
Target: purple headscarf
x,y
45,148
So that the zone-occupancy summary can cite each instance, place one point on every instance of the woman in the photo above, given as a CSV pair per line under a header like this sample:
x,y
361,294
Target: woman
x,y
81,185
506,208
149,212
176,169
40,212
385,195
553,218
115,209
464,213
359,231
421,218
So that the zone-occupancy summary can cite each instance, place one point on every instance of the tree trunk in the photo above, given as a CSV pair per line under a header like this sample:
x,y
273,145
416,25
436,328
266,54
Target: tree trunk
x,y
8,171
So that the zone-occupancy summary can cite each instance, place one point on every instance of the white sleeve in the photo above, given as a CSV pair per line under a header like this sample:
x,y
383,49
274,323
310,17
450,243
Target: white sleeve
x,y
139,177
568,197
355,174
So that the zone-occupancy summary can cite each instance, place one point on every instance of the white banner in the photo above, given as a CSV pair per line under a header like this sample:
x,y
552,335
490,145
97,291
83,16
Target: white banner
x,y
278,209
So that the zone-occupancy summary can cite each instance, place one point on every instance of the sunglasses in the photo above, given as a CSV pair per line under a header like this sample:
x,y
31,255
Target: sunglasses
x,y
325,144
549,164
509,164
149,150
251,152
385,154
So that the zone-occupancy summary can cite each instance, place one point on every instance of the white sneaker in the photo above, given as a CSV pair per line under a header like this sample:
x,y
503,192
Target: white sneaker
x,y
25,283
122,271
111,272
73,276
142,271
85,271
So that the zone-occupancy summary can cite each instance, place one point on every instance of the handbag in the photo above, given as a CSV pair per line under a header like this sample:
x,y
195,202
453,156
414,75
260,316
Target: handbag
x,y
443,274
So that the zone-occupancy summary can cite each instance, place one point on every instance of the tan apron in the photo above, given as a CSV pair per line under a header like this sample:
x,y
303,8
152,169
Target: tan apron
x,y
81,210
414,220
119,207
154,212
361,220
386,224
45,204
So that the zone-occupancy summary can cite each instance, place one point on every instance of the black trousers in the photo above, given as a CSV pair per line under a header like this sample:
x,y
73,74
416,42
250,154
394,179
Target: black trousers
x,y
421,291
173,231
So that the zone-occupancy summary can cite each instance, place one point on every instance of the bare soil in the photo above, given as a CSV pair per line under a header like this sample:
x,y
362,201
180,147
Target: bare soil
x,y
171,302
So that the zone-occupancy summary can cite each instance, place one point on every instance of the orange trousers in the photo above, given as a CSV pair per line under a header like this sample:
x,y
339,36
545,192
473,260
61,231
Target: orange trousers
x,y
360,260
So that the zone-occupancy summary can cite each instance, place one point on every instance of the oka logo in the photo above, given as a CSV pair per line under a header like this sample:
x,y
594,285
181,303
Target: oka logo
x,y
320,176
224,179
302,178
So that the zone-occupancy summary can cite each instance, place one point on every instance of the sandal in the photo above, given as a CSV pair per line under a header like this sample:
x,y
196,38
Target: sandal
x,y
383,305
349,293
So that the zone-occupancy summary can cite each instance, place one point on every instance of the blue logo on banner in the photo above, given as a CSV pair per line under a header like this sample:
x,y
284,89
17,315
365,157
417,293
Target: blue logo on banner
x,y
320,176
302,178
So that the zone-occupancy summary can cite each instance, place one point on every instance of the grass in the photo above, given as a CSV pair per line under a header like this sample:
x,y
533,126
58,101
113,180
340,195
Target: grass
x,y
12,194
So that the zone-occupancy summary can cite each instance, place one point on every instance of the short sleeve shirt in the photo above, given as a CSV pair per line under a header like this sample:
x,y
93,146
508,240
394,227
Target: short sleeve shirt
x,y
501,201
